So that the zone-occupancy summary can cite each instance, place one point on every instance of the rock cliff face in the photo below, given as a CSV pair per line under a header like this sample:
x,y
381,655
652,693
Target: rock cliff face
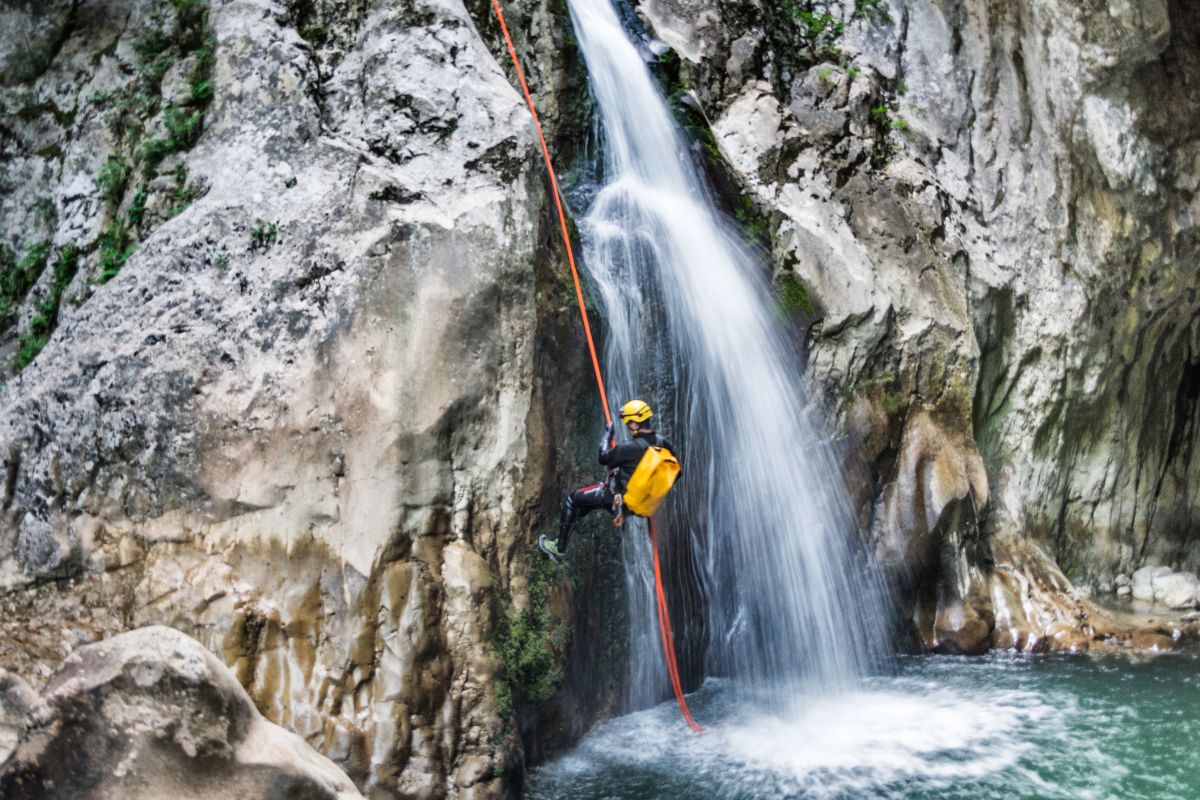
x,y
991,214
294,395
290,366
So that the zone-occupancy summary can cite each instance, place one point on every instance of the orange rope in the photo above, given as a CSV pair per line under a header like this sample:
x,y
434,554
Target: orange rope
x,y
668,639
664,617
562,217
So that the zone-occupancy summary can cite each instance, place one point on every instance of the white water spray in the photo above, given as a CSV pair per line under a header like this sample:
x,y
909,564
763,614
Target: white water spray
x,y
694,329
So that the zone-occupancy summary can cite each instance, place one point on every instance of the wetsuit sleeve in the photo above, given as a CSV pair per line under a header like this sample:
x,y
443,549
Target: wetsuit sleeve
x,y
625,455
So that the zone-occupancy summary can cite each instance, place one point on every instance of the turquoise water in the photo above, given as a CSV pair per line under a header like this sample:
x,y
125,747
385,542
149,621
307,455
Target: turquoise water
x,y
1001,726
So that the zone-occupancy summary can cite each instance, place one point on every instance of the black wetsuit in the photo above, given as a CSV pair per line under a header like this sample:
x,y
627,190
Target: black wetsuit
x,y
621,461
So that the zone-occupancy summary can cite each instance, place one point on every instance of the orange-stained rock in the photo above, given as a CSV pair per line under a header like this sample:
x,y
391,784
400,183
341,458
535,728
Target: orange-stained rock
x,y
1151,640
1067,638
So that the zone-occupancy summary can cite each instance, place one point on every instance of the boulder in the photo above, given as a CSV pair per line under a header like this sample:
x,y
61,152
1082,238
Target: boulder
x,y
1151,640
152,714
1143,580
1068,638
20,707
1176,590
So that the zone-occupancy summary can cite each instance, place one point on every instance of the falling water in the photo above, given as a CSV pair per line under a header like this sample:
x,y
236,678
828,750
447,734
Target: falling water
x,y
694,329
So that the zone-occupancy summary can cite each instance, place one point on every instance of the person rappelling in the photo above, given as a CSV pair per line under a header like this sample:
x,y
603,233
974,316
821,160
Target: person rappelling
x,y
640,473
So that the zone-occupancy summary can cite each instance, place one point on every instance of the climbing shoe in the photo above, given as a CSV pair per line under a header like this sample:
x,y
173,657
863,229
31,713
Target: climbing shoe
x,y
550,548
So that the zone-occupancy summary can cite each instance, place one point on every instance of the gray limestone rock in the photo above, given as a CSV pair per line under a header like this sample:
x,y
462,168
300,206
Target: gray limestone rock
x,y
305,421
992,211
1144,581
152,714
1176,590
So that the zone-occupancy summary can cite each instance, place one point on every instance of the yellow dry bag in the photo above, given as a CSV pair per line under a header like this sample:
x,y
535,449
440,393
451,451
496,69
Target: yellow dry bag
x,y
651,480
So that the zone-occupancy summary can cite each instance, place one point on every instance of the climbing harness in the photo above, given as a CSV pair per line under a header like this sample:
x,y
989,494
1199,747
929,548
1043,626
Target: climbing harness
x,y
664,617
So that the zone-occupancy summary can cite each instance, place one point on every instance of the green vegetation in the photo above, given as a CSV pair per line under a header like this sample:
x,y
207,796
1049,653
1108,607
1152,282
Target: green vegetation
x,y
883,116
32,62
46,209
35,337
17,277
263,237
116,246
178,31
793,294
183,194
884,388
526,644
820,30
315,35
817,26
114,174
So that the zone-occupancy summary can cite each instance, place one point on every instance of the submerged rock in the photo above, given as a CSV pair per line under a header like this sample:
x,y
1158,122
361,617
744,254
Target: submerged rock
x,y
152,714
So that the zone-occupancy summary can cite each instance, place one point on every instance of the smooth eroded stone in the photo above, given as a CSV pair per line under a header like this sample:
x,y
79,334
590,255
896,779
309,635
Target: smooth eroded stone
x,y
152,714
1177,590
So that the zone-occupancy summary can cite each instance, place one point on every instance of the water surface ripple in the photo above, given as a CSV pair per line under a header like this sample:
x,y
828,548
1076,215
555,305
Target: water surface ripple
x,y
994,727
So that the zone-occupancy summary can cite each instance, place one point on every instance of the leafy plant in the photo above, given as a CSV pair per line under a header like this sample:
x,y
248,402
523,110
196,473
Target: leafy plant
x,y
870,10
263,237
152,153
820,32
184,128
526,643
116,246
17,277
114,174
35,337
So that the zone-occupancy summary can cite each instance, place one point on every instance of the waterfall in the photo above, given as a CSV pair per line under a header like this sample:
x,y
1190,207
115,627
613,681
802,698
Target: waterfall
x,y
694,328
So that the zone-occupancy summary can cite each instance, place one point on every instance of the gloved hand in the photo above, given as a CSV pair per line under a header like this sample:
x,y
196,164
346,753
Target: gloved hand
x,y
608,440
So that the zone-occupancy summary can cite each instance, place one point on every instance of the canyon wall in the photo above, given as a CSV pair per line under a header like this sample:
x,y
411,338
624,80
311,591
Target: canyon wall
x,y
291,365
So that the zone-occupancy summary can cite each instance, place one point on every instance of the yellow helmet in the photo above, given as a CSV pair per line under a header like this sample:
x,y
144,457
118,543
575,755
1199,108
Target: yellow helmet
x,y
635,411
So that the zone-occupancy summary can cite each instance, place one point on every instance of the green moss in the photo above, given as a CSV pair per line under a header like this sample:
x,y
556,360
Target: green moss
x,y
32,62
882,389
526,643
52,152
315,35
46,209
793,294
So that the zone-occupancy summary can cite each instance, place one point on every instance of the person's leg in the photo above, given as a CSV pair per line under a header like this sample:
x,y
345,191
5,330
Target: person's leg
x,y
579,504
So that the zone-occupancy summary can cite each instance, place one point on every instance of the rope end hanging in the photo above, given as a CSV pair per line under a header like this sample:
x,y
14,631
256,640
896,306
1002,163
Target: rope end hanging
x,y
668,638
